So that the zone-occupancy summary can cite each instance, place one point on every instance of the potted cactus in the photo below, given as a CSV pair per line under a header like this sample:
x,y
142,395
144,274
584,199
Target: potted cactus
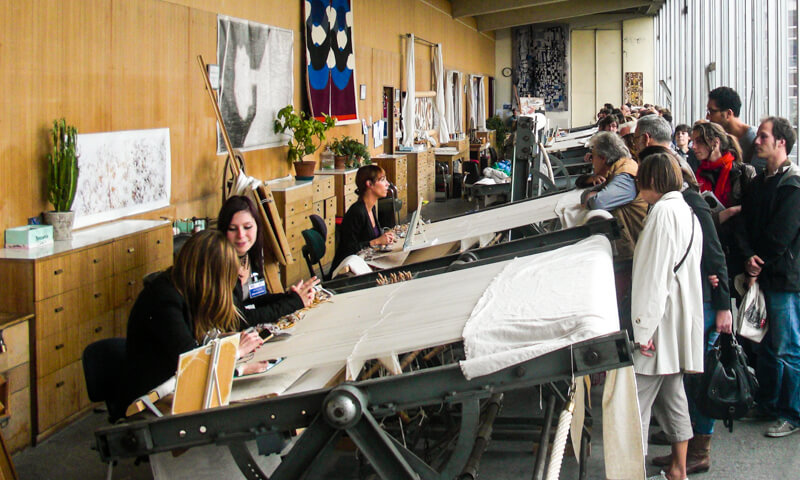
x,y
307,135
62,179
349,152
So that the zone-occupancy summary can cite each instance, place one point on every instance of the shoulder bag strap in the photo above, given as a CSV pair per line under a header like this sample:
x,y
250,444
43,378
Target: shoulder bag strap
x,y
691,239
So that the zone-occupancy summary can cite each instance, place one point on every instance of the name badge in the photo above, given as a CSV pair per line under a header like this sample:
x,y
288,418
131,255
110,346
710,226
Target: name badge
x,y
258,288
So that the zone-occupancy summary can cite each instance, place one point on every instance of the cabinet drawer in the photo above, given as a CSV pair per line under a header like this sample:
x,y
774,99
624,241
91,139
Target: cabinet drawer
x,y
330,208
348,200
127,285
17,432
297,222
302,206
98,263
96,298
158,244
129,253
157,265
323,187
57,275
319,208
98,328
17,346
58,395
57,313
57,350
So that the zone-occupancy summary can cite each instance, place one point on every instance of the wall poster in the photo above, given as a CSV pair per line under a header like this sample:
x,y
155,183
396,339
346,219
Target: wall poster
x,y
256,80
330,59
634,88
121,173
539,60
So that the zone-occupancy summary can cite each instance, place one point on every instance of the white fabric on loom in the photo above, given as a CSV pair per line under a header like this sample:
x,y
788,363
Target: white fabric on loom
x,y
410,104
481,110
444,126
541,303
473,117
572,214
449,108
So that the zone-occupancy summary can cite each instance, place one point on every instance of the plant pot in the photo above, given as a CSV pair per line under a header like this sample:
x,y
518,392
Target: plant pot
x,y
62,224
340,161
304,170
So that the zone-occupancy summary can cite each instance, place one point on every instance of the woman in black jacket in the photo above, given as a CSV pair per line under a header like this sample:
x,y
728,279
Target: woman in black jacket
x,y
179,308
241,223
360,228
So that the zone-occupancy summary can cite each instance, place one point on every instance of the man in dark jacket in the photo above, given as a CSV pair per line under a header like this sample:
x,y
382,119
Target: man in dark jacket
x,y
769,238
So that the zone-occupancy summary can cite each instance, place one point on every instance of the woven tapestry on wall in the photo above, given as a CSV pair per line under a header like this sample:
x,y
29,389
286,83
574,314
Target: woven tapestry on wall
x,y
330,59
634,88
539,61
256,80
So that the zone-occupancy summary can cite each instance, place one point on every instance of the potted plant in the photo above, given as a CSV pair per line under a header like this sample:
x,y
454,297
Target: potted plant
x,y
349,152
62,179
307,135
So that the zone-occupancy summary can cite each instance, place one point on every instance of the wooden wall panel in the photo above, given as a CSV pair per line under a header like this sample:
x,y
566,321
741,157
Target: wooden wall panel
x,y
130,64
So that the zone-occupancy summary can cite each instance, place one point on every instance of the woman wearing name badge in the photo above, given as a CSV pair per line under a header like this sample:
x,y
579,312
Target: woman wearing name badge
x,y
179,309
242,225
360,228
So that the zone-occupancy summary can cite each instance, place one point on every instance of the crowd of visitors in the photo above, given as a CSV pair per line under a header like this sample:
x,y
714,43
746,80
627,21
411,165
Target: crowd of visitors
x,y
724,200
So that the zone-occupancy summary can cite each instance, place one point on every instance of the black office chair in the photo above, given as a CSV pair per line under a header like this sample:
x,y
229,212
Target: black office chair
x,y
313,251
103,368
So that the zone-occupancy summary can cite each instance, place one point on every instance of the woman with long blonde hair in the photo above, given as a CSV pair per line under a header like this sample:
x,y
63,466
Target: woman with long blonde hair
x,y
182,306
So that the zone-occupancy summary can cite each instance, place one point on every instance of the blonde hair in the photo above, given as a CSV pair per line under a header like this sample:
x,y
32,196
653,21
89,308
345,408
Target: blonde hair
x,y
205,274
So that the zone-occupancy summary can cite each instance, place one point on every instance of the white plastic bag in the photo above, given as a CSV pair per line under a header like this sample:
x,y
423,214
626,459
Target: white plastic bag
x,y
752,318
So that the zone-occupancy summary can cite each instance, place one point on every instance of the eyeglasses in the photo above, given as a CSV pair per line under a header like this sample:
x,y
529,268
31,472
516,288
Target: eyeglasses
x,y
709,111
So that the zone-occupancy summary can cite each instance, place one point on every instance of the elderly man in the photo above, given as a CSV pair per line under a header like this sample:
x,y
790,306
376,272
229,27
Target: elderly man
x,y
723,108
769,238
652,130
612,162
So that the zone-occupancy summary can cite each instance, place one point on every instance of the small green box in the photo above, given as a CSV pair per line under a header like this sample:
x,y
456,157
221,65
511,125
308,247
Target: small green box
x,y
29,236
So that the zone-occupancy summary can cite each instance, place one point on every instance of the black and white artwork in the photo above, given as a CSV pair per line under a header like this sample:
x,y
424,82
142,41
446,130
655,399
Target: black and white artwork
x,y
540,64
256,81
121,173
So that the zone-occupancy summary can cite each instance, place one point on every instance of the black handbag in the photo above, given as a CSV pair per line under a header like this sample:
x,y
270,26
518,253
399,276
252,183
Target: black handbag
x,y
727,387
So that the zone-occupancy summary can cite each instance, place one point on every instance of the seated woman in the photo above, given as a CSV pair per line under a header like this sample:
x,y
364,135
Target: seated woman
x,y
360,228
667,306
241,223
179,307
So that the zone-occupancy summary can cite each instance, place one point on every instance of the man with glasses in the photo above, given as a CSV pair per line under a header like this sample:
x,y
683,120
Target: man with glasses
x,y
723,108
653,130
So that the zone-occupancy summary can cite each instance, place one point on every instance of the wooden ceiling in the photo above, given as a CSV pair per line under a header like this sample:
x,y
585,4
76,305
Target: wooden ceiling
x,y
499,14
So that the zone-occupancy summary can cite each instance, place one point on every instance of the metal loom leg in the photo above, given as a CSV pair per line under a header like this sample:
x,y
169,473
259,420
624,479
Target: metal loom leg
x,y
380,450
245,461
544,440
312,443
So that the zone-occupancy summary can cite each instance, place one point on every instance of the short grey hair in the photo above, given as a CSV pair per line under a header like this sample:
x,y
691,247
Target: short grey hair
x,y
609,145
656,127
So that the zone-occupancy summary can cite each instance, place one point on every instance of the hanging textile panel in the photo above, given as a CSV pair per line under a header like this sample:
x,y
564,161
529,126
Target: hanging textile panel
x,y
330,59
256,80
539,60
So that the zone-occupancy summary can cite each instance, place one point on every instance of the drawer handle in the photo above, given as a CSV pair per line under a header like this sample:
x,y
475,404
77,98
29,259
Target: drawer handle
x,y
98,295
131,250
60,384
96,260
58,271
98,329
58,309
59,346
131,283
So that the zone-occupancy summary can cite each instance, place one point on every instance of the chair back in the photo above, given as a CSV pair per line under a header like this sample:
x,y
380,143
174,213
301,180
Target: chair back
x,y
319,225
314,250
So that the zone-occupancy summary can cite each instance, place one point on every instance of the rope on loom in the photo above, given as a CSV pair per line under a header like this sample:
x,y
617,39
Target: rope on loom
x,y
560,440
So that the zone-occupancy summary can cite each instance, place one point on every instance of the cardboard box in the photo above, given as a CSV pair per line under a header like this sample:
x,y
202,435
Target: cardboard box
x,y
29,236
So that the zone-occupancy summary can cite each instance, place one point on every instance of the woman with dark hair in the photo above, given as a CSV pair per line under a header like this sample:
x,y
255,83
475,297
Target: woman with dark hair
x,y
242,225
179,308
721,169
667,305
360,228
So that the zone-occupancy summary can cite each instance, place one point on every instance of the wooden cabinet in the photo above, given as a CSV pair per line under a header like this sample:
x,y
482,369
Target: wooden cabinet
x,y
15,386
344,181
421,177
80,291
488,136
325,205
396,168
294,201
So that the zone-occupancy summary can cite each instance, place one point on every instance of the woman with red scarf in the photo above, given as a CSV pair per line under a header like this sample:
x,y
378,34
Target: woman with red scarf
x,y
721,169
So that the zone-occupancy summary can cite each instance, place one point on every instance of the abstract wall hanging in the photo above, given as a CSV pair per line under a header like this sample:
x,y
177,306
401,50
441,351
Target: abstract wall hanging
x,y
122,173
256,80
539,58
330,59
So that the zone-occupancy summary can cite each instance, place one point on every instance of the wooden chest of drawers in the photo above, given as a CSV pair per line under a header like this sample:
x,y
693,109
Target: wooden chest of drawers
x,y
15,381
80,291
295,202
421,177
344,188
396,168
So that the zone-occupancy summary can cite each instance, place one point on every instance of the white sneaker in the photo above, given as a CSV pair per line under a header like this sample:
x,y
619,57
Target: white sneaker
x,y
781,428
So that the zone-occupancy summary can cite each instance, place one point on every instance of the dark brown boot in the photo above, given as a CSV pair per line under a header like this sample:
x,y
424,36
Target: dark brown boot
x,y
698,455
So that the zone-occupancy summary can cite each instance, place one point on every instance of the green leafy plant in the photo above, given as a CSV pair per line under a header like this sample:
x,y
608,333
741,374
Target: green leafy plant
x,y
501,131
307,133
351,148
62,171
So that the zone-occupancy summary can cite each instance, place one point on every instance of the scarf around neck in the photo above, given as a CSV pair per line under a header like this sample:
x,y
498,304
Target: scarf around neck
x,y
722,189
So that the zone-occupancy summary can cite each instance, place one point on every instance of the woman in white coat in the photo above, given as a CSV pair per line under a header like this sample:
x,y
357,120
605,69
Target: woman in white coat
x,y
667,306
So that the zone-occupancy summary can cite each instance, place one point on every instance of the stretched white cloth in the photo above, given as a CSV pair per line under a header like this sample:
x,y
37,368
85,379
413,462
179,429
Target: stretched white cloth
x,y
572,299
441,115
411,96
472,121
572,214
481,107
449,107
